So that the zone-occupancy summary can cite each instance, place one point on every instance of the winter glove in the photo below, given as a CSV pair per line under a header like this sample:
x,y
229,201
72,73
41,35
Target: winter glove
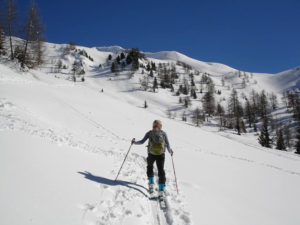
x,y
133,141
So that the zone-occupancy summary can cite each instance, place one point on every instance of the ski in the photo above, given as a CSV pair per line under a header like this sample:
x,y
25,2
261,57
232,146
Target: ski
x,y
152,195
161,200
151,192
162,203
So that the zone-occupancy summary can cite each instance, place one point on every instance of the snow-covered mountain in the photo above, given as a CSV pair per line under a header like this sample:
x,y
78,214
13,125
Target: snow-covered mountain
x,y
212,68
279,82
286,80
62,144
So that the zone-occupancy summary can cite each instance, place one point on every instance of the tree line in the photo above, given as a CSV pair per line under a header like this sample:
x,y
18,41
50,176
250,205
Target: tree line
x,y
238,112
128,57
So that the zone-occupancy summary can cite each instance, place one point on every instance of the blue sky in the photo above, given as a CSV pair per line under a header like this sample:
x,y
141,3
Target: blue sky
x,y
253,35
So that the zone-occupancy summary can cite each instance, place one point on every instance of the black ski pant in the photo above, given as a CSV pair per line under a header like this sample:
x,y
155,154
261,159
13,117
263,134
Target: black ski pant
x,y
160,162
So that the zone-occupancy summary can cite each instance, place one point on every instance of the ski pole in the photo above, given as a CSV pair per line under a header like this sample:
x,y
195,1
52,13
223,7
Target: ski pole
x,y
175,174
123,162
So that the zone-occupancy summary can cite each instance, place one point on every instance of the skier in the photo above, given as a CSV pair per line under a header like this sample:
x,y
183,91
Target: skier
x,y
158,142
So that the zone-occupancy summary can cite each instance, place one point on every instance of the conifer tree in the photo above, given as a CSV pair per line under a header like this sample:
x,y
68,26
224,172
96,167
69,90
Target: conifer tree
x,y
172,88
151,73
263,104
243,127
58,66
153,66
298,140
235,109
254,127
187,102
133,56
113,68
122,55
273,100
9,14
296,109
249,113
254,96
183,117
193,93
155,84
118,59
2,39
180,100
197,118
287,135
220,112
209,103
264,137
75,68
280,141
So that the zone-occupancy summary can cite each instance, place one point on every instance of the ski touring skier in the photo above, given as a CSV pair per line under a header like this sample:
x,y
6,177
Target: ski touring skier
x,y
158,143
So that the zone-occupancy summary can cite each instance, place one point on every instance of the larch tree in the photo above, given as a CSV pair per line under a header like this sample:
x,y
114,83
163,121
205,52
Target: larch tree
x,y
155,84
287,135
197,117
220,112
33,33
280,145
249,113
209,103
297,146
235,109
9,17
2,40
263,104
273,101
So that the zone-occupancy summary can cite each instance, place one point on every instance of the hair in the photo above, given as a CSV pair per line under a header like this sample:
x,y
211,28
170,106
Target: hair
x,y
155,124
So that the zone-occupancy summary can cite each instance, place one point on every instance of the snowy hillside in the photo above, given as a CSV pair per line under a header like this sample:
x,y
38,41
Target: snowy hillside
x,y
62,143
282,81
213,68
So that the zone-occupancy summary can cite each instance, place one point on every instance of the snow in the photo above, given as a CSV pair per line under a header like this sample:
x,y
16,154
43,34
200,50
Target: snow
x,y
112,49
282,81
62,144
213,68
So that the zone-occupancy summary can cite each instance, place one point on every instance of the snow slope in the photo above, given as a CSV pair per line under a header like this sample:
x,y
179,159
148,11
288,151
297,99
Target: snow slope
x,y
62,144
277,83
212,68
283,81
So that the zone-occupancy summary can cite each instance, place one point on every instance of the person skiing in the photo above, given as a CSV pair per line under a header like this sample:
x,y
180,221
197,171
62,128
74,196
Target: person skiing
x,y
158,142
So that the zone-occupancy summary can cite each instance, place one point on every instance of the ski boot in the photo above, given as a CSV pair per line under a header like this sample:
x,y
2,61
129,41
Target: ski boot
x,y
161,196
151,185
161,192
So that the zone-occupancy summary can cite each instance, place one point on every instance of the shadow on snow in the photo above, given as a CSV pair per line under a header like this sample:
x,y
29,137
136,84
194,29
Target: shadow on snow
x,y
103,180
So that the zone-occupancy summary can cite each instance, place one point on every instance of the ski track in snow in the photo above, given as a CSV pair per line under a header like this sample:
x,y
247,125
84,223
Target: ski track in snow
x,y
261,148
119,200
249,161
110,207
